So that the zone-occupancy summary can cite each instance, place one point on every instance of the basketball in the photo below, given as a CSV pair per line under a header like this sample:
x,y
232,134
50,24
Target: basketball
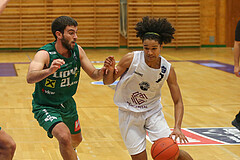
x,y
165,149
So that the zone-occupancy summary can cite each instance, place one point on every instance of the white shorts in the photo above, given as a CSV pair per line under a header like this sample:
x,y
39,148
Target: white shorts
x,y
133,127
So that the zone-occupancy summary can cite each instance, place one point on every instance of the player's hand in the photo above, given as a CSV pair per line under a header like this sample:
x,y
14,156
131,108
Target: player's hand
x,y
177,133
56,64
109,63
237,70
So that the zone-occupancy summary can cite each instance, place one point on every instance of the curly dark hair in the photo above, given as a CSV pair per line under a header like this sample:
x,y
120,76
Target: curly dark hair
x,y
155,29
60,23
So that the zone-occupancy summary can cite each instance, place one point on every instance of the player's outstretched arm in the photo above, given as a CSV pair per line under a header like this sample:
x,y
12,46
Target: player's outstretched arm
x,y
88,67
110,76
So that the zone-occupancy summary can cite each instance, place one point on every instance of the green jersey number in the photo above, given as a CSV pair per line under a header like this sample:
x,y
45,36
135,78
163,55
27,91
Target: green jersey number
x,y
65,82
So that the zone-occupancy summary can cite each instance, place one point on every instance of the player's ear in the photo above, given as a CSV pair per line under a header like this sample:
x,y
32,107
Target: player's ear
x,y
58,34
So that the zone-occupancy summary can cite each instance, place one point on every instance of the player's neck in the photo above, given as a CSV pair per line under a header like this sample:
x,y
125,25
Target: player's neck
x,y
62,50
154,64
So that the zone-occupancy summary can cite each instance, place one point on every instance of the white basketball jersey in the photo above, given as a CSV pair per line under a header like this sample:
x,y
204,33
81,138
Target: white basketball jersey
x,y
139,89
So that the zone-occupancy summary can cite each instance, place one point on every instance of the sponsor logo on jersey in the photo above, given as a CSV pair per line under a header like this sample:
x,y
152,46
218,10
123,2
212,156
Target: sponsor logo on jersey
x,y
144,86
138,99
136,106
50,83
48,92
163,70
65,74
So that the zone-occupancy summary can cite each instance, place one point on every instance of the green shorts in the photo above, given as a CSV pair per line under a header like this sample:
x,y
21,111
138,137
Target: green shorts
x,y
49,116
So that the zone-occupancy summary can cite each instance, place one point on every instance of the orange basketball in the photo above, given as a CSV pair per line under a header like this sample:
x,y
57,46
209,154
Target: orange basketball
x,y
165,149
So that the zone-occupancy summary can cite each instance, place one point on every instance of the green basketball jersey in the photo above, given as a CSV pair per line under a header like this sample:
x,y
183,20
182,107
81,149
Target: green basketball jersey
x,y
61,85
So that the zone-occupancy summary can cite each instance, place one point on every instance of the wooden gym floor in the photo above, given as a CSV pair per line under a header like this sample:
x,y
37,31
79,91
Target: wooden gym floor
x,y
210,95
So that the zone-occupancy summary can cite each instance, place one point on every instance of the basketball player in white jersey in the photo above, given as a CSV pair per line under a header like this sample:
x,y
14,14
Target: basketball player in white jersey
x,y
138,93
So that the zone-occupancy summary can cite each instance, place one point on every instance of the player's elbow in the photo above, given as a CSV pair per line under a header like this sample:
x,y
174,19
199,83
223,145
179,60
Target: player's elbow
x,y
29,80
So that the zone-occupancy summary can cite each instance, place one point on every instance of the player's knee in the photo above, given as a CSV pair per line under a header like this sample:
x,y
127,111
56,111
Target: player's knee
x,y
10,148
64,139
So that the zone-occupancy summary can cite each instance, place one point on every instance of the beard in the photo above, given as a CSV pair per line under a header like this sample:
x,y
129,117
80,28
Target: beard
x,y
67,44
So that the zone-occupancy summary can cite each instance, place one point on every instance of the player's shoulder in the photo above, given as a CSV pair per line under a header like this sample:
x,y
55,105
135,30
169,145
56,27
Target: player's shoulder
x,y
126,60
79,47
42,53
81,51
128,57
130,54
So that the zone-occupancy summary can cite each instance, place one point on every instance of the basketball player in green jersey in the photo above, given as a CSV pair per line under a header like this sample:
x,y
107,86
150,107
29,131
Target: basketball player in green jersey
x,y
7,144
55,71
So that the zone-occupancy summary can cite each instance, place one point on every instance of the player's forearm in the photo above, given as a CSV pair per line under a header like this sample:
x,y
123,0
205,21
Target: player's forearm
x,y
179,110
236,53
108,78
36,76
97,75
